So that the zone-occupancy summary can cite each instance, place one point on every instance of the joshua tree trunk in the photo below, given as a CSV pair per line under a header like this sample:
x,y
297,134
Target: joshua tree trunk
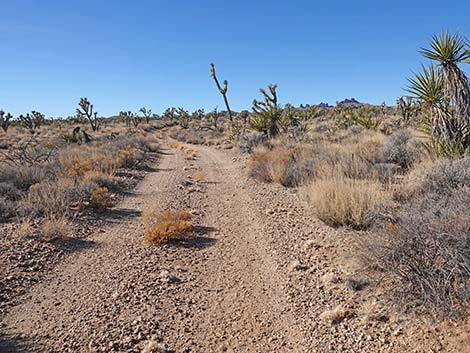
x,y
222,90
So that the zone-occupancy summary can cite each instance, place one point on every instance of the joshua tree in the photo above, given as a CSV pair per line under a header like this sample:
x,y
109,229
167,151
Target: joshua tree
x,y
32,120
5,120
170,113
85,111
182,117
407,108
130,118
198,114
267,113
449,51
147,114
222,90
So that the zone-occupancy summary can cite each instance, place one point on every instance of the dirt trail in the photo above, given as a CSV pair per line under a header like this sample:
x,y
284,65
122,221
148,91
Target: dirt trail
x,y
222,291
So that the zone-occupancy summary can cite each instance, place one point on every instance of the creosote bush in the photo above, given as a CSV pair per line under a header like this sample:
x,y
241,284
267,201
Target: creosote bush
x,y
167,226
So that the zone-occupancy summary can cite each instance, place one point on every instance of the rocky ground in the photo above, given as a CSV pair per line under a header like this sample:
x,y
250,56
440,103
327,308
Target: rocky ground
x,y
260,275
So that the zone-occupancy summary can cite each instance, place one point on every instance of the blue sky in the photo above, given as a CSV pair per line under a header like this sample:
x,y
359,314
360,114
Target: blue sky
x,y
126,54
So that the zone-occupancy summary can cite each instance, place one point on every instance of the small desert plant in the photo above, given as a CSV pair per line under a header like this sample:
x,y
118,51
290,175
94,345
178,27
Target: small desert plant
x,y
54,228
168,226
101,199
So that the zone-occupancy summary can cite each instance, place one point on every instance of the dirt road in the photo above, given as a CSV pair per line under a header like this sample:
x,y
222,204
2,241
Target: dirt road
x,y
221,291
257,276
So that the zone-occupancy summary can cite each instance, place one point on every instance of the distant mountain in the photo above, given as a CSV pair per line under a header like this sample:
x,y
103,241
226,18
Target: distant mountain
x,y
351,101
320,105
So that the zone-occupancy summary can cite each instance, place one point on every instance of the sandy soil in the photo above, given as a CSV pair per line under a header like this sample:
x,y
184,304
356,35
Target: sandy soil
x,y
257,277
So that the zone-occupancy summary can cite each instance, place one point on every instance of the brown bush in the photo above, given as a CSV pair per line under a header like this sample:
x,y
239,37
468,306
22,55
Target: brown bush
x,y
167,226
101,199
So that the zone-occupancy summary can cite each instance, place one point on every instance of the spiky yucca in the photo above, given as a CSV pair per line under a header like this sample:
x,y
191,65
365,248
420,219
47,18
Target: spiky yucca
x,y
449,51
444,92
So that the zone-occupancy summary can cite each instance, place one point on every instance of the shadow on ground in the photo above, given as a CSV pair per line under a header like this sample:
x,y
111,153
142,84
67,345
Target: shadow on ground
x,y
16,345
119,214
200,241
73,244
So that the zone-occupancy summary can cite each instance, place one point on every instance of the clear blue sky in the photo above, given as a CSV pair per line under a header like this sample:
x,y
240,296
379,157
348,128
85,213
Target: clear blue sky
x,y
126,54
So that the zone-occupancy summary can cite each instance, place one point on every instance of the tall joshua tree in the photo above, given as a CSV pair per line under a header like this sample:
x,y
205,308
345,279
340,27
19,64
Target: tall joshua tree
x,y
222,90
449,51
147,113
85,111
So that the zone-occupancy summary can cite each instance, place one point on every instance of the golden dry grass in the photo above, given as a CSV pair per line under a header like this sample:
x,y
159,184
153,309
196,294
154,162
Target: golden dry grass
x,y
167,226
55,228
342,201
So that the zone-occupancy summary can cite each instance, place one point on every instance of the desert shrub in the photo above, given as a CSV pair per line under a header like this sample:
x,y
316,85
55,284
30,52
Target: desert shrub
x,y
401,149
249,142
22,177
10,191
7,209
54,228
100,199
52,199
103,180
130,157
445,175
258,165
342,201
426,249
167,226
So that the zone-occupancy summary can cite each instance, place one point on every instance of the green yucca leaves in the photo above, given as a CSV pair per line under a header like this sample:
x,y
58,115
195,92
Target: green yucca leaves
x,y
428,85
447,49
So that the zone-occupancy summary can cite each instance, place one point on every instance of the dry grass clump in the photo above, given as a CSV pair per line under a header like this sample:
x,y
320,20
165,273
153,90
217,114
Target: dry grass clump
x,y
283,164
55,228
168,226
342,201
335,315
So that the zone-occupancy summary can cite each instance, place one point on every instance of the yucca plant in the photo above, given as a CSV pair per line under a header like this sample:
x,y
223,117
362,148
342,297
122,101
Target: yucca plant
x,y
449,51
449,134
